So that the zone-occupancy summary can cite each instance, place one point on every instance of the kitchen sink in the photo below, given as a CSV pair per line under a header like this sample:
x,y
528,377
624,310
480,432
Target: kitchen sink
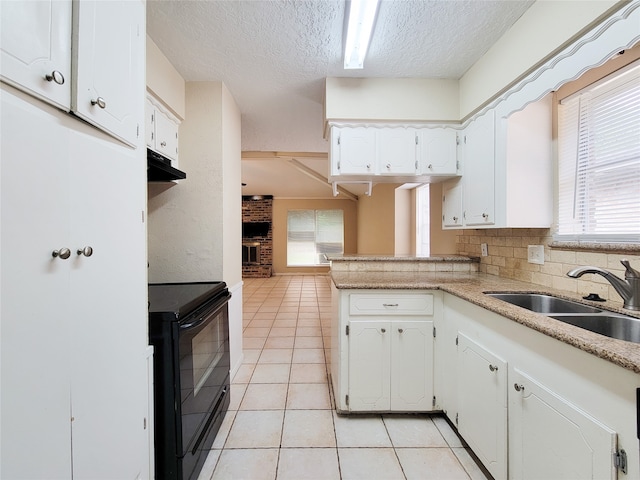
x,y
608,324
541,303
603,322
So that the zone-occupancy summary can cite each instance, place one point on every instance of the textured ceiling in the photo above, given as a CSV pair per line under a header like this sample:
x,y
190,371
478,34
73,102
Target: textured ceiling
x,y
274,55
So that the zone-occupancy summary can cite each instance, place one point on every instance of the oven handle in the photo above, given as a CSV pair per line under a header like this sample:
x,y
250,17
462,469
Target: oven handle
x,y
202,317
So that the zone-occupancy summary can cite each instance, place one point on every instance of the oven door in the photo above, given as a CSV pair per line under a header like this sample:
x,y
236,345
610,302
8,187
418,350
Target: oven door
x,y
204,370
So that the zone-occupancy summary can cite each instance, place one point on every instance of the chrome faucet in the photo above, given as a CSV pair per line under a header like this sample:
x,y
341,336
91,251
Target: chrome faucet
x,y
629,288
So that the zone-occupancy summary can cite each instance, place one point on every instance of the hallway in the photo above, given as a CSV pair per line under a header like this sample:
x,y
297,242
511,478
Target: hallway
x,y
281,424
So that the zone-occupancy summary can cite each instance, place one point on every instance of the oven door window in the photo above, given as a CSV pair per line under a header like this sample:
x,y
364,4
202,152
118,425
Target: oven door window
x,y
204,368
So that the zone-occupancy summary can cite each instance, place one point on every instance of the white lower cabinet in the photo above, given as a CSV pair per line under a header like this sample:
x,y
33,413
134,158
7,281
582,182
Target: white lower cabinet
x,y
532,407
382,350
390,365
482,404
552,438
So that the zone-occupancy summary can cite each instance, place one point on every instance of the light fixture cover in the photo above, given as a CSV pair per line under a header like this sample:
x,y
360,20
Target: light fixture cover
x,y
362,16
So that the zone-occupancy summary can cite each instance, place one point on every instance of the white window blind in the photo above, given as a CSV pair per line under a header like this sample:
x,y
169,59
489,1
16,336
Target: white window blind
x,y
599,161
311,234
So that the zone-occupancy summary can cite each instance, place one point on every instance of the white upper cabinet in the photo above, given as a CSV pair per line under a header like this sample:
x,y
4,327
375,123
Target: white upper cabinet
x,y
478,178
452,203
437,151
392,152
161,130
108,61
38,63
353,151
396,151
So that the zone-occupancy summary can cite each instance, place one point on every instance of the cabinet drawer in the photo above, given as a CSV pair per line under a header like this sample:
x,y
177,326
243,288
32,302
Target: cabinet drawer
x,y
399,304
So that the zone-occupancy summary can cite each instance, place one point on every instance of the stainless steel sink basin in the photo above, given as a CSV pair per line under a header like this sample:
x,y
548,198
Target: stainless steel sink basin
x,y
606,323
603,322
546,304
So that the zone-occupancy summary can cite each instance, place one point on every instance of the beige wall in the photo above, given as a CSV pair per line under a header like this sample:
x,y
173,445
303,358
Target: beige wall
x,y
392,99
405,219
508,258
543,29
279,229
164,81
376,220
186,228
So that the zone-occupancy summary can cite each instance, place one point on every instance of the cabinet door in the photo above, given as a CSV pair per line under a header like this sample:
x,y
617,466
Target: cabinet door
x,y
109,64
411,366
369,366
551,438
479,161
396,151
35,313
166,136
108,293
353,150
35,48
452,204
150,123
482,404
437,151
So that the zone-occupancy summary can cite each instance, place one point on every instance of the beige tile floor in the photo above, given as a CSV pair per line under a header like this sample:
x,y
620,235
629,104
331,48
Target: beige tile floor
x,y
281,424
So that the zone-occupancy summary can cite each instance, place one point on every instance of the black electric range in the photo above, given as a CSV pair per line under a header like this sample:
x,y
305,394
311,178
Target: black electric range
x,y
189,330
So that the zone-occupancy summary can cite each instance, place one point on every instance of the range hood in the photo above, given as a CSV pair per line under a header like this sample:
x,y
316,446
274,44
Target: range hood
x,y
159,169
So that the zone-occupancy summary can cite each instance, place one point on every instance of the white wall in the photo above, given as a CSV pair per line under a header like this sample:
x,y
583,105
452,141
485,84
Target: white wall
x,y
407,99
544,28
164,81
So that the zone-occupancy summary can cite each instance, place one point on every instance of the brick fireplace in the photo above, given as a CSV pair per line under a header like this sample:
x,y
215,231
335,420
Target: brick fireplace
x,y
257,236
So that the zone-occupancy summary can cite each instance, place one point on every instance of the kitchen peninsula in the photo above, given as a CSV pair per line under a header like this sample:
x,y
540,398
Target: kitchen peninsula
x,y
419,334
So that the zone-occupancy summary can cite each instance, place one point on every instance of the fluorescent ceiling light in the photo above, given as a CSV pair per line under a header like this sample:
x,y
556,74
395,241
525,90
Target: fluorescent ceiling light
x,y
362,15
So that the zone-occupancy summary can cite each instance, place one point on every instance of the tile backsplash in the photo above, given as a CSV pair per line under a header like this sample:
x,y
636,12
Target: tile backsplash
x,y
507,257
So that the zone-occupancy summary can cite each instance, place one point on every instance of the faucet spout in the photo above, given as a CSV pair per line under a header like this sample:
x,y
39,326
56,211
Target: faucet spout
x,y
628,289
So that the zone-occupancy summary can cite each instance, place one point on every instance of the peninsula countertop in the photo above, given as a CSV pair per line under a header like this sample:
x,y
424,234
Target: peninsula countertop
x,y
472,286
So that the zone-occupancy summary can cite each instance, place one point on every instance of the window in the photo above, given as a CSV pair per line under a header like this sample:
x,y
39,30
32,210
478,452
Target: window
x,y
311,234
599,161
423,220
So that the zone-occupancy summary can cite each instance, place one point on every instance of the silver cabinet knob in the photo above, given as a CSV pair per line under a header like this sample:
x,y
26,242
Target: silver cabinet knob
x,y
383,330
388,166
100,102
518,387
455,219
430,167
485,216
163,144
400,330
63,253
493,368
368,165
86,251
55,76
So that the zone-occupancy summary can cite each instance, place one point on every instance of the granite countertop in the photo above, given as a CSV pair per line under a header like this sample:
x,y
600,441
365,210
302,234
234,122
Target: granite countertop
x,y
399,258
472,286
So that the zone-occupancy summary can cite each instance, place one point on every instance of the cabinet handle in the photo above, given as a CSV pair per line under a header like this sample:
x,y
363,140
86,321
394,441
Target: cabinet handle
x,y
63,253
163,144
400,330
389,304
86,251
100,102
55,76
485,216
493,368
518,387
383,330
430,167
455,219
388,166
368,166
